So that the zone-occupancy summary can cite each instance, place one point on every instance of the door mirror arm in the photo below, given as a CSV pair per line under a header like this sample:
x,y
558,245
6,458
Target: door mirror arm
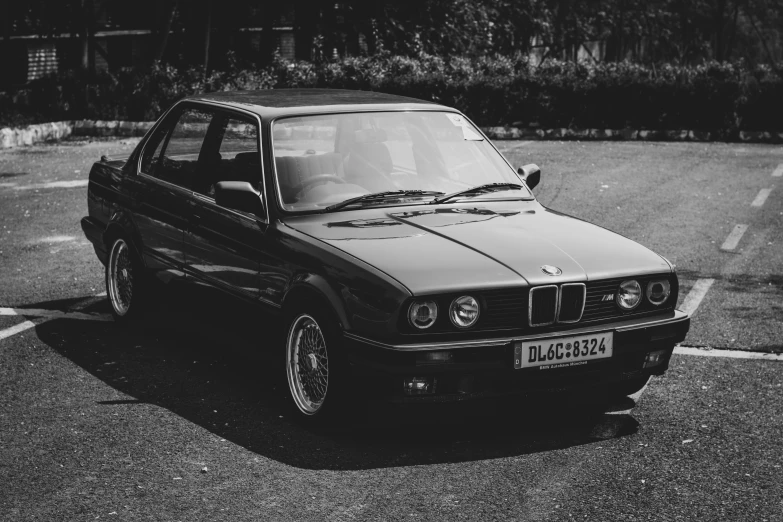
x,y
240,196
530,174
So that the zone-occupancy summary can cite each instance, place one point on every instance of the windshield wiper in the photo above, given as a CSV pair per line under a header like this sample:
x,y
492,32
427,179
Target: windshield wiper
x,y
474,191
375,196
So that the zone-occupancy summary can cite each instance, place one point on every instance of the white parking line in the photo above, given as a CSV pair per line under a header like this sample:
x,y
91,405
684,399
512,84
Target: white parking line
x,y
778,172
734,237
54,314
19,328
694,297
731,354
44,315
761,198
54,184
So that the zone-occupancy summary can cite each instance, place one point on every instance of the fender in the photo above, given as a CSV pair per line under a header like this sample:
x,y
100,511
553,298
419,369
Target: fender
x,y
307,283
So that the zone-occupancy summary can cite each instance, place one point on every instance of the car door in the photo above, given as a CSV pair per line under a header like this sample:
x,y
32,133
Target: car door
x,y
161,210
224,247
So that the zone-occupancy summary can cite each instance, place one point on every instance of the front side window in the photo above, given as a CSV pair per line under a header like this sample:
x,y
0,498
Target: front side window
x,y
324,160
204,147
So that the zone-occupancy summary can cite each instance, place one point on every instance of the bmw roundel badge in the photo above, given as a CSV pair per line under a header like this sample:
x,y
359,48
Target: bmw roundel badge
x,y
551,270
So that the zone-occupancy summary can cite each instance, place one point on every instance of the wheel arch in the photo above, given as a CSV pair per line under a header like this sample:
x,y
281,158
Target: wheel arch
x,y
315,289
121,225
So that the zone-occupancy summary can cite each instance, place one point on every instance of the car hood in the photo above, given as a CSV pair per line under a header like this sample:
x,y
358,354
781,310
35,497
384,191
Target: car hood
x,y
452,248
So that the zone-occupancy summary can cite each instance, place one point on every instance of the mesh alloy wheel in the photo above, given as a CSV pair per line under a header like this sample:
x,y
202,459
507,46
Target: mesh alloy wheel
x,y
119,285
307,364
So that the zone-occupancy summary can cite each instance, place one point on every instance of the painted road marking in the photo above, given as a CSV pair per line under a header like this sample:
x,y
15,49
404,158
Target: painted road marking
x,y
734,237
19,328
54,184
54,314
47,315
694,297
732,354
761,198
778,172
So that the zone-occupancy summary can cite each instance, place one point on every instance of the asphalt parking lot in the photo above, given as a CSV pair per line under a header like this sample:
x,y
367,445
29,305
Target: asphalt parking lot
x,y
169,422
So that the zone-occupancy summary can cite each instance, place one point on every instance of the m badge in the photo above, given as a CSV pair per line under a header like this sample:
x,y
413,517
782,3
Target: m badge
x,y
607,297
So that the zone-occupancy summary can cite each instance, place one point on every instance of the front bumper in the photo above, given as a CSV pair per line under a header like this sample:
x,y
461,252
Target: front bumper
x,y
485,368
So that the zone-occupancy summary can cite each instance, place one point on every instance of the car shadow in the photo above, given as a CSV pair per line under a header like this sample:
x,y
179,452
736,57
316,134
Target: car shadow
x,y
212,367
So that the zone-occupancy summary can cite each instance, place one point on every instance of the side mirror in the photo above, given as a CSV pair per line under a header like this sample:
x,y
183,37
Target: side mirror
x,y
239,195
530,174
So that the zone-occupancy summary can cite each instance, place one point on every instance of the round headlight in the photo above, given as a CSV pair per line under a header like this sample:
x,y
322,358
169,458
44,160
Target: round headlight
x,y
422,314
629,295
658,291
464,311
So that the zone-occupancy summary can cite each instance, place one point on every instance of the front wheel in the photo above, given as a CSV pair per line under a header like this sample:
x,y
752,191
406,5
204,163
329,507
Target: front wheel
x,y
124,282
313,369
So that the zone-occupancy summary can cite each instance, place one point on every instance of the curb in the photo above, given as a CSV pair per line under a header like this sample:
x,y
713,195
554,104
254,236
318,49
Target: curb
x,y
32,134
520,133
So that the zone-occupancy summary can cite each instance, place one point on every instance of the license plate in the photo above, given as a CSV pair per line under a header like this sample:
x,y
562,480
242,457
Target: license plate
x,y
562,352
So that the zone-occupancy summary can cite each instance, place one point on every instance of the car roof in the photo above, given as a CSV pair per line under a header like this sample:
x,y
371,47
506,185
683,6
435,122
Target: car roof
x,y
273,103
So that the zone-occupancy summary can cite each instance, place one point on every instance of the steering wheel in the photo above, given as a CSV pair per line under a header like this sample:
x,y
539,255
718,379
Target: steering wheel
x,y
315,180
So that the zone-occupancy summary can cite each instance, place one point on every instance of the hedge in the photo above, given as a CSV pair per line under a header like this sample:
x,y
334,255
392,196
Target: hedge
x,y
723,98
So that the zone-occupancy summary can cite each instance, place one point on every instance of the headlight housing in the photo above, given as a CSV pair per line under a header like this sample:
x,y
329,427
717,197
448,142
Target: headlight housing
x,y
422,314
658,291
629,295
464,311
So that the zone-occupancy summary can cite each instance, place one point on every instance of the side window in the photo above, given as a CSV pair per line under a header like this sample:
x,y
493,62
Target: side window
x,y
237,156
179,161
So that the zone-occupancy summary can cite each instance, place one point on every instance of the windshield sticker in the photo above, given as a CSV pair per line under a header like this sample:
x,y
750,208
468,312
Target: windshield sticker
x,y
470,135
467,133
456,119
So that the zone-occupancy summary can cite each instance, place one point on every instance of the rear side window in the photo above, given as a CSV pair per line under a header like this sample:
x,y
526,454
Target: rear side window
x,y
151,157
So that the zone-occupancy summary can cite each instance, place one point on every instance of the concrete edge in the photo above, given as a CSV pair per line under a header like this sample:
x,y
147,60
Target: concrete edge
x,y
32,134
11,137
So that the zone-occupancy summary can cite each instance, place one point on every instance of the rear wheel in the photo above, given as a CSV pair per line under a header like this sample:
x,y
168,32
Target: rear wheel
x,y
315,369
125,286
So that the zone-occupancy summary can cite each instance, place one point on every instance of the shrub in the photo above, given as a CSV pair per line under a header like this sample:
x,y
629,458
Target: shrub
x,y
718,97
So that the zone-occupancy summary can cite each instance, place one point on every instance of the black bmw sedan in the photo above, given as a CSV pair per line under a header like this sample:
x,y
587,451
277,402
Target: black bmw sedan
x,y
394,242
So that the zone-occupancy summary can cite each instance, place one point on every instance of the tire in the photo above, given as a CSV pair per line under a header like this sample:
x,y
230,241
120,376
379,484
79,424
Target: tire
x,y
629,387
315,370
126,286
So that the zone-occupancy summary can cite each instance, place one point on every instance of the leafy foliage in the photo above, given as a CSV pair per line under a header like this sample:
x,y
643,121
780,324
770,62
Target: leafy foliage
x,y
719,97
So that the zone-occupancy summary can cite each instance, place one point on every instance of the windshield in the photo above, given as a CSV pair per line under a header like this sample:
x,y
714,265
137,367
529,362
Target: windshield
x,y
326,159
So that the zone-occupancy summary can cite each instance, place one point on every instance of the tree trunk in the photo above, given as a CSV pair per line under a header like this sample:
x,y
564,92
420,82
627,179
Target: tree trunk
x,y
6,10
166,30
84,38
207,31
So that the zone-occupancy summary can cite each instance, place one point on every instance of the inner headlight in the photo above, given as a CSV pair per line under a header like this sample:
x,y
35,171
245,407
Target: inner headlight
x,y
464,311
658,291
422,314
629,295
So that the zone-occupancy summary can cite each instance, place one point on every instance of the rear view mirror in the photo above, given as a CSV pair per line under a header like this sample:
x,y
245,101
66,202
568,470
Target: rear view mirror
x,y
239,195
530,174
